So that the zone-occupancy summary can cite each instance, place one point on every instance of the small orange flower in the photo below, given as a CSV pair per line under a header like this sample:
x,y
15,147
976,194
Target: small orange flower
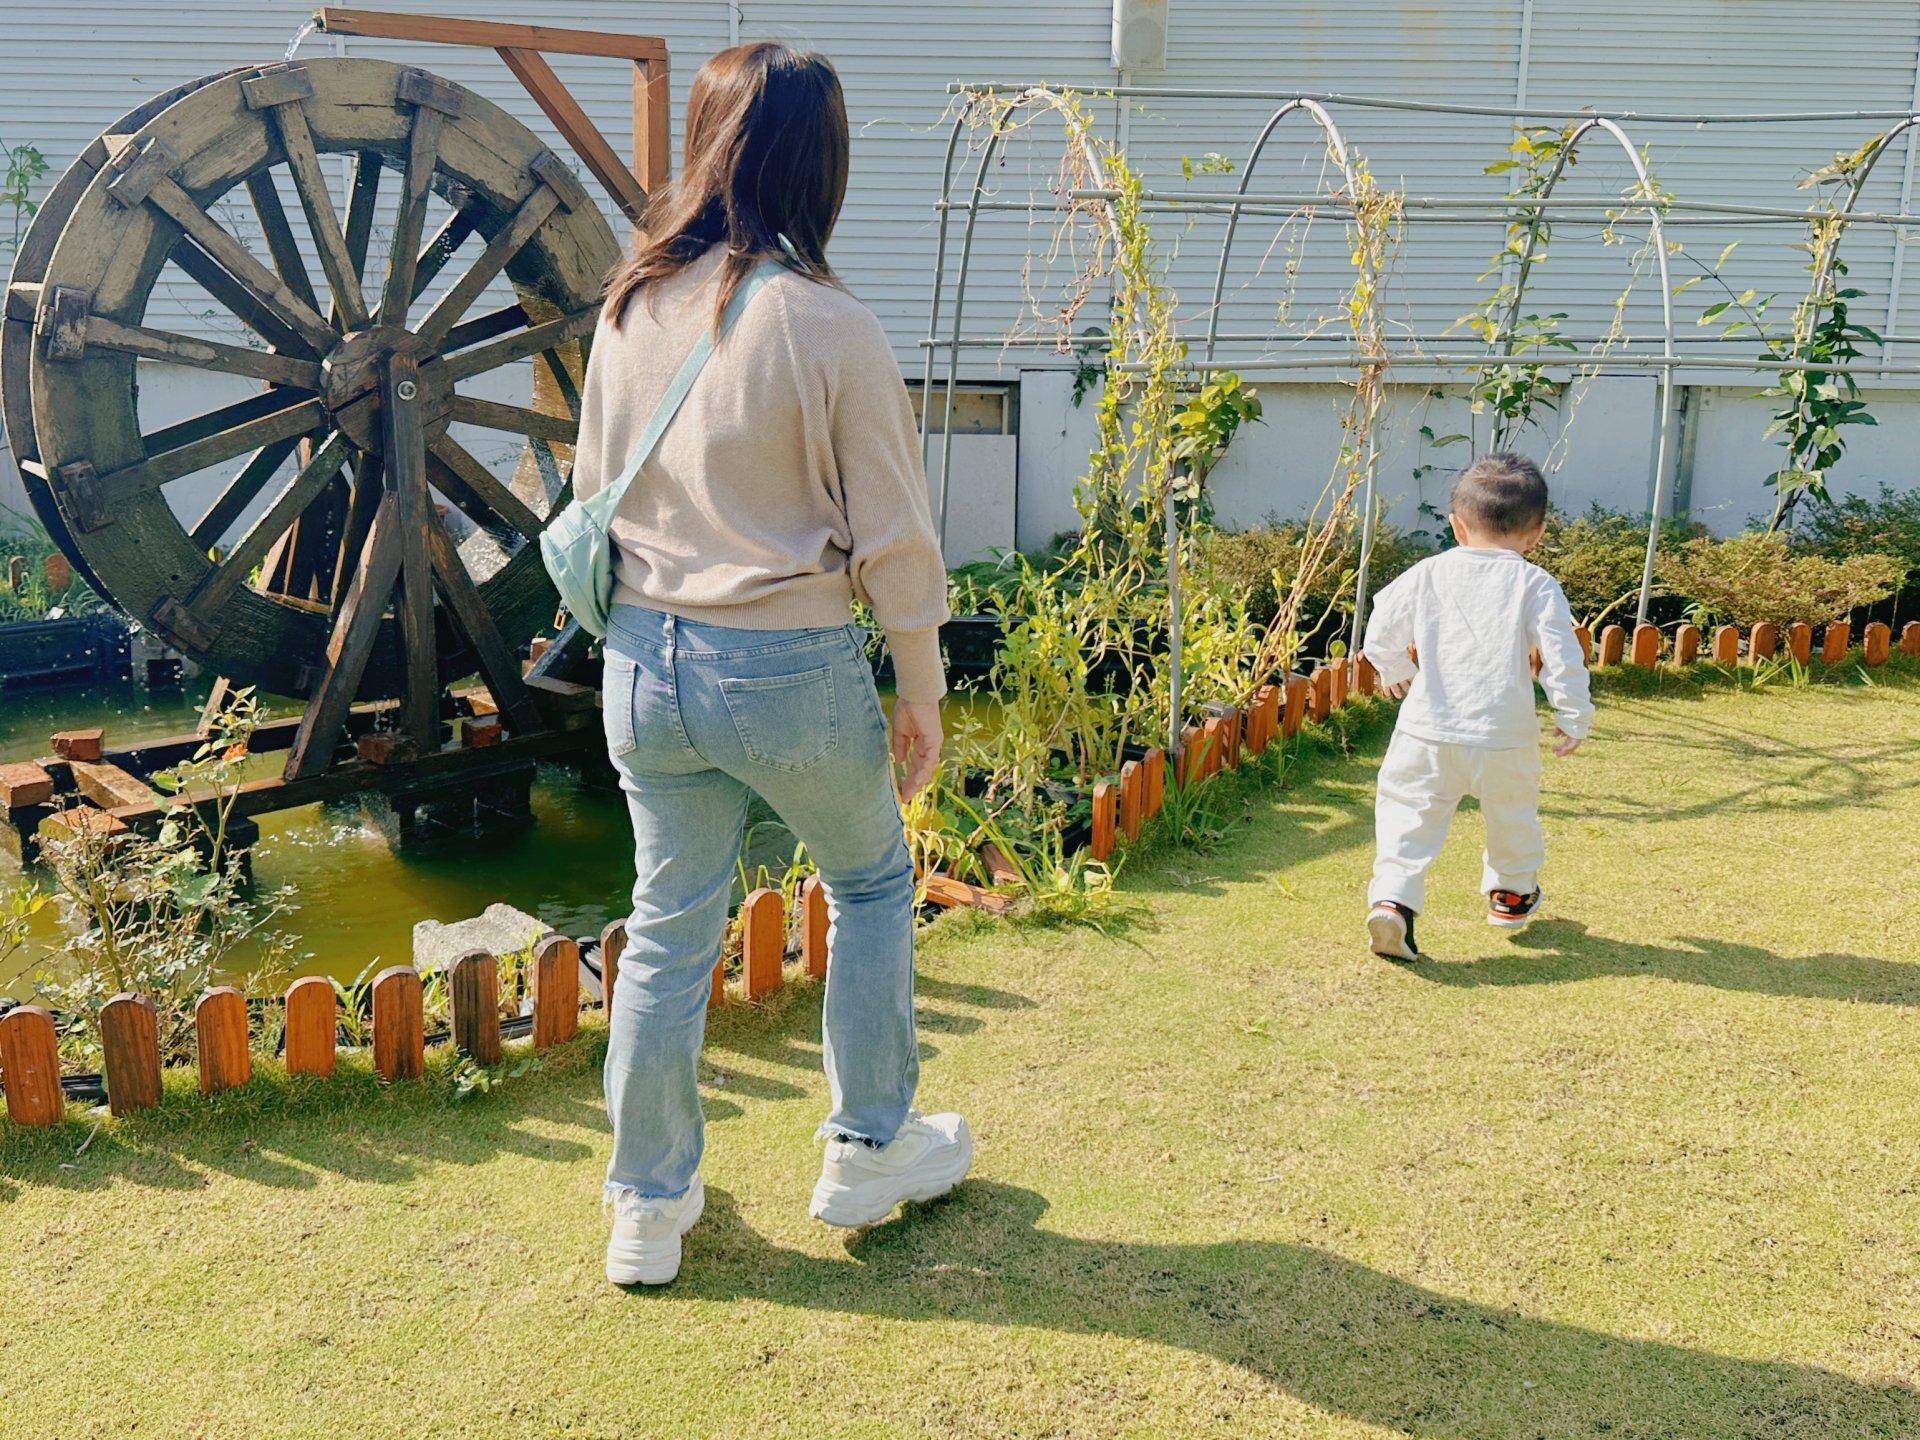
x,y
235,751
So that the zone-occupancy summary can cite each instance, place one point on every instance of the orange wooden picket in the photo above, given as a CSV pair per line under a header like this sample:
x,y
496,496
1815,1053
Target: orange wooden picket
x,y
1320,694
1876,643
1106,814
1299,690
1800,642
1646,646
717,995
473,992
1365,677
30,1067
1230,727
130,1050
1154,794
1686,644
814,924
1613,645
1133,784
220,1040
1763,643
556,991
1585,637
399,1036
1910,638
1338,669
613,944
1213,742
763,942
312,1026
1726,645
1833,642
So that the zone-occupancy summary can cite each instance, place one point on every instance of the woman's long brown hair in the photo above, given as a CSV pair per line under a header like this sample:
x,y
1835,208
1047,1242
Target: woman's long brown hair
x,y
765,161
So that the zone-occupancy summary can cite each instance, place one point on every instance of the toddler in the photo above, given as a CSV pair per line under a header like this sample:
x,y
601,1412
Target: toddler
x,y
1453,636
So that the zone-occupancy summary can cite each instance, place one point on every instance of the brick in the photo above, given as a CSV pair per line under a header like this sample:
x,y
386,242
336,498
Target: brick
x,y
78,744
24,784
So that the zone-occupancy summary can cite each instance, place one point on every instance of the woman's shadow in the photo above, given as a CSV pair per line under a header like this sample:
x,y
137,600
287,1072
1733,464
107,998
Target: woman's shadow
x,y
1336,1334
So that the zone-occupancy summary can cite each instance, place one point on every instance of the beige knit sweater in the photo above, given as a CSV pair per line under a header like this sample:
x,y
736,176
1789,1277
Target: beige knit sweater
x,y
790,481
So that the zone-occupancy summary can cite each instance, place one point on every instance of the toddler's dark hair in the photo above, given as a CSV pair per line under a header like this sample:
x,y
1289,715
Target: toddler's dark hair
x,y
1502,494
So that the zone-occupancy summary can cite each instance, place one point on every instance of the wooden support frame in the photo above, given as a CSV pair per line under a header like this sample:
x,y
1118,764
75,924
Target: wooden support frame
x,y
522,48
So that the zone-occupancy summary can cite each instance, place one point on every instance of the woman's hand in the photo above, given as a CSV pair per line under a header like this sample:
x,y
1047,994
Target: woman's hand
x,y
916,743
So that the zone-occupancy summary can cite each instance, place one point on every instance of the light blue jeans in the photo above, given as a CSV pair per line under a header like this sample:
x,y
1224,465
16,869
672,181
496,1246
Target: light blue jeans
x,y
698,716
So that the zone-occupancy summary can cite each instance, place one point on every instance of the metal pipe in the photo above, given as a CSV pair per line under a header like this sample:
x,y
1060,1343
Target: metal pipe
x,y
953,355
939,277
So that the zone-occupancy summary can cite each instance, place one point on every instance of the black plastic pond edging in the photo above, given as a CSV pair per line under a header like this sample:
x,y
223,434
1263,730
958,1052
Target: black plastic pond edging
x,y
73,650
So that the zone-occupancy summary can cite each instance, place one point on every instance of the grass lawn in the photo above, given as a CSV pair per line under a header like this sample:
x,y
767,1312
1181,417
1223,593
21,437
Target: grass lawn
x,y
1652,1169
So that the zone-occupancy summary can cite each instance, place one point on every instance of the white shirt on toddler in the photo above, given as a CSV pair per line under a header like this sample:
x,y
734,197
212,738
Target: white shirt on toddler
x,y
1473,616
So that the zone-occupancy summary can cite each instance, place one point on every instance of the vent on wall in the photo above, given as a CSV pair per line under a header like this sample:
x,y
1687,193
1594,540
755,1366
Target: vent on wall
x,y
1139,34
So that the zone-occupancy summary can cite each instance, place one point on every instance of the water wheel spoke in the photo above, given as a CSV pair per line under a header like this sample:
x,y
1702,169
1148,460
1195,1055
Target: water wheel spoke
x,y
240,492
279,236
362,503
515,418
423,149
230,255
356,625
290,418
531,215
251,549
164,345
499,666
361,203
481,358
455,468
404,451
296,138
446,241
240,301
489,326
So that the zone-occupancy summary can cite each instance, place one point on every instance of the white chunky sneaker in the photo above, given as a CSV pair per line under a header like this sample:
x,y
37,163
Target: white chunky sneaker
x,y
860,1184
644,1248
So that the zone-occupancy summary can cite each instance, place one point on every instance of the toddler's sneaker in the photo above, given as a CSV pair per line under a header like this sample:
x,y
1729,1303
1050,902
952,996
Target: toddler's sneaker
x,y
1390,931
645,1246
1510,910
861,1183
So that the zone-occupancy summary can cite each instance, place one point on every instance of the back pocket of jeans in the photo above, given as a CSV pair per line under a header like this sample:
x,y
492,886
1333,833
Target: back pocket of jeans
x,y
789,722
616,699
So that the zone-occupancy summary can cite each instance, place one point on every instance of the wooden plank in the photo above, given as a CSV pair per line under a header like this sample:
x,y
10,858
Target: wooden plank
x,y
30,1067
1106,814
291,417
556,991
517,419
1646,646
1132,784
442,30
814,927
403,258
453,467
323,221
763,942
169,348
109,787
399,1034
220,1040
355,627
1726,645
948,893
241,492
241,302
24,783
1800,642
306,486
580,132
130,1050
473,990
531,215
444,245
404,432
479,359
652,122
1834,641
312,1025
498,665
613,944
1686,644
1876,643
278,233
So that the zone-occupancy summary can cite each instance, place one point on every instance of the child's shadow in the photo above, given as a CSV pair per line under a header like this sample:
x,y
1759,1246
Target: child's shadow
x,y
1553,952
1338,1335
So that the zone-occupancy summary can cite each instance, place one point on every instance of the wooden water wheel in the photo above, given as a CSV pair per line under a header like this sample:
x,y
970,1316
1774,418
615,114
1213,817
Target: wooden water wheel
x,y
325,534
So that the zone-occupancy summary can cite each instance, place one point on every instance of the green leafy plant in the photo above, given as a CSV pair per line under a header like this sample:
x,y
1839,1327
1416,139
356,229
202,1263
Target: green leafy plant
x,y
471,1078
1205,427
1755,577
1598,557
24,166
1859,525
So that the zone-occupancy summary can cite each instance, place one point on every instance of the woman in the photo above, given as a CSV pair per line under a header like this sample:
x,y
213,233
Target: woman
x,y
788,483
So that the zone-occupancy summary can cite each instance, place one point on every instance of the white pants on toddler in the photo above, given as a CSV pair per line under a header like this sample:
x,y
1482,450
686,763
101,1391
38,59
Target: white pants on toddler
x,y
1421,784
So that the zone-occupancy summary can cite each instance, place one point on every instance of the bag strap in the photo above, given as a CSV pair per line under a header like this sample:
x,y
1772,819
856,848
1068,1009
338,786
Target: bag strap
x,y
682,382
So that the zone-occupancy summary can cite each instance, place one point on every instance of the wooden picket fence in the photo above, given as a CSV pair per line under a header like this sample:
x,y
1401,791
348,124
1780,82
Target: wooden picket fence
x,y
223,1053
1647,645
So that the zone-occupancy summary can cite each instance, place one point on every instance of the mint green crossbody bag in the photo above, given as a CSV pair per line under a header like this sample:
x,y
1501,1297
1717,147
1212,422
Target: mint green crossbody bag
x,y
576,546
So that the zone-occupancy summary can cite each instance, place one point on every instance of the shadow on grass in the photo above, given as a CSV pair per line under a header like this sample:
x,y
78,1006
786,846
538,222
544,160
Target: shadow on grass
x,y
1558,952
1338,1335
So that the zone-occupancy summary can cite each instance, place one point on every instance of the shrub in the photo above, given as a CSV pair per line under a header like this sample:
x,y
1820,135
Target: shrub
x,y
1755,577
1856,525
1598,557
1257,566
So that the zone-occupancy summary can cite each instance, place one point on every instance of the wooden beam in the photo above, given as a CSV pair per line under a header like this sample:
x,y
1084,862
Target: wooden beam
x,y
532,70
164,345
531,215
652,122
444,30
404,447
494,354
515,418
498,664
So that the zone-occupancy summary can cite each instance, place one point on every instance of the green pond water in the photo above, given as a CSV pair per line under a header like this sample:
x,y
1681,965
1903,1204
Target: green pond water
x,y
358,896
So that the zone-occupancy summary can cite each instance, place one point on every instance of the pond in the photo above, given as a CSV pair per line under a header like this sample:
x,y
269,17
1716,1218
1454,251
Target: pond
x,y
358,897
